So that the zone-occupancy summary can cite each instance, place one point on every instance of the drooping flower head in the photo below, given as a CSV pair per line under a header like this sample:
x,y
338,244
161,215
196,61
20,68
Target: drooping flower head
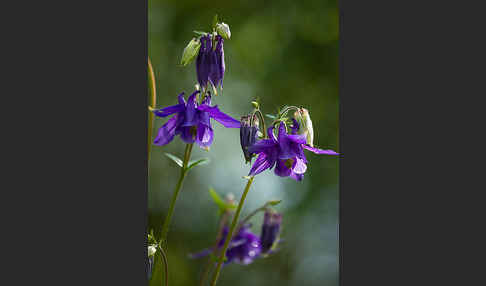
x,y
150,260
248,134
270,230
243,248
192,121
210,65
285,152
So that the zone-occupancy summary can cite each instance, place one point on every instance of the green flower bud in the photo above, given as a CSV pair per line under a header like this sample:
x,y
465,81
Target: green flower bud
x,y
190,51
151,250
223,30
304,119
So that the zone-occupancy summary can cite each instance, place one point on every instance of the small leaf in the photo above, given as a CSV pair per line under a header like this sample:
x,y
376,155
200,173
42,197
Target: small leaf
x,y
270,116
215,21
202,161
274,203
175,159
223,206
200,33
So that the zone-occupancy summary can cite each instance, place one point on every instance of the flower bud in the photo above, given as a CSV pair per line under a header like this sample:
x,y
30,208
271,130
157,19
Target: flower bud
x,y
304,118
270,230
151,250
223,30
190,51
248,135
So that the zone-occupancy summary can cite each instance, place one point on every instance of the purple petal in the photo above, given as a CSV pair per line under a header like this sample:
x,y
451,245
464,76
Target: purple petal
x,y
282,170
320,151
299,167
271,135
282,131
187,134
297,177
191,118
262,163
166,111
226,120
204,135
295,126
201,253
202,61
166,132
181,99
261,146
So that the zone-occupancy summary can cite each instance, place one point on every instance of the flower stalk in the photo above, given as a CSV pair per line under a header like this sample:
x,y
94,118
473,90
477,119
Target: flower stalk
x,y
184,169
230,232
153,97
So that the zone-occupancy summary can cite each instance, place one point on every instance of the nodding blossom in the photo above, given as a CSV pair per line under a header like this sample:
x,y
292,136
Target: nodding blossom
x,y
192,121
248,135
270,230
285,152
242,249
210,65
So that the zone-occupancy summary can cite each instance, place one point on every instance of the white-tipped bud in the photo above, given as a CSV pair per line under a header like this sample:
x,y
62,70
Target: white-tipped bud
x,y
190,51
223,30
304,119
151,250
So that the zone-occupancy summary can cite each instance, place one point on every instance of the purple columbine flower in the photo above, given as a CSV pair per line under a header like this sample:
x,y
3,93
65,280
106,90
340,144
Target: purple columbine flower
x,y
270,230
285,152
192,121
243,248
248,135
210,62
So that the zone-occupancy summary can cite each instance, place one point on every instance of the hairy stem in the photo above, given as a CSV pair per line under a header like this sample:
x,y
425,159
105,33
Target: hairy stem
x,y
168,218
230,233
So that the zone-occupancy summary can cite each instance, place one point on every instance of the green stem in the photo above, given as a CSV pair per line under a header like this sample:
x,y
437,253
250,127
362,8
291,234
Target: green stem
x,y
230,233
151,77
166,265
168,218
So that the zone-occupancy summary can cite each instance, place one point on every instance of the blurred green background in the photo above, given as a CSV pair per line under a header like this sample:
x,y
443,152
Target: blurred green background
x,y
284,53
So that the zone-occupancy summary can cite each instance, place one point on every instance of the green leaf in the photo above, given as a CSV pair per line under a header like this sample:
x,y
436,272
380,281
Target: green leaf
x,y
215,21
200,33
175,159
274,203
270,116
202,161
220,202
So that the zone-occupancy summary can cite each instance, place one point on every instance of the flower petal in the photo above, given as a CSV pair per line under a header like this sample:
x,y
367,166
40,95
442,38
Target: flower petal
x,y
181,99
299,167
226,120
187,134
261,145
320,151
297,177
167,132
166,111
281,169
191,118
204,135
261,164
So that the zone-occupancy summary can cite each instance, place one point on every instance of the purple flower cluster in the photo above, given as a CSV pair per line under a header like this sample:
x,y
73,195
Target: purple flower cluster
x,y
246,246
286,152
210,61
192,121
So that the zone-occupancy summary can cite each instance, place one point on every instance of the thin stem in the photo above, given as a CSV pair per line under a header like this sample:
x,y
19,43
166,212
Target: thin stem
x,y
168,218
207,268
230,233
153,98
166,264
